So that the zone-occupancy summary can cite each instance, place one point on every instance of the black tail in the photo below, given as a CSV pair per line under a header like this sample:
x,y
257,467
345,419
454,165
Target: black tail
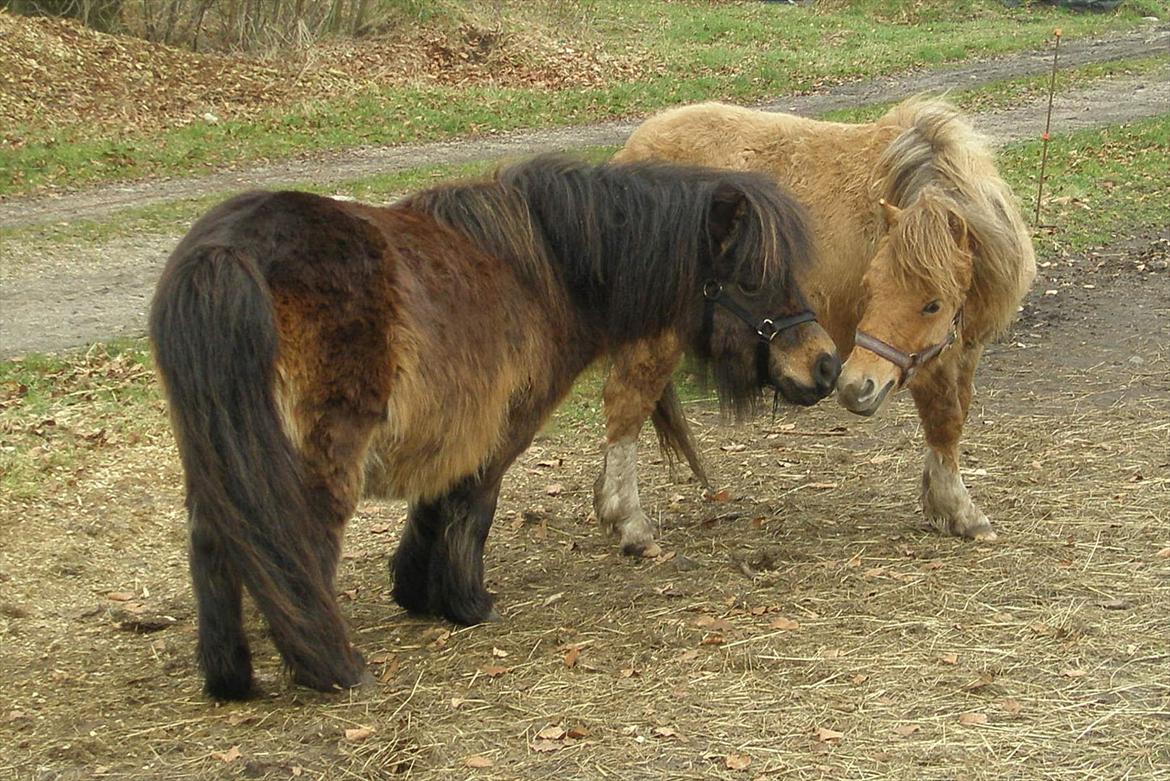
x,y
674,433
215,342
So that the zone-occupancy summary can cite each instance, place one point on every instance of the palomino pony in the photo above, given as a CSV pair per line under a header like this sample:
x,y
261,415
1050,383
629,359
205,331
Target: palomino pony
x,y
313,349
924,257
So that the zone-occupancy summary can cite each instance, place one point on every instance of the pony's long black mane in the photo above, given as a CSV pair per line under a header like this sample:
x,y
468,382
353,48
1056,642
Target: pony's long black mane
x,y
630,243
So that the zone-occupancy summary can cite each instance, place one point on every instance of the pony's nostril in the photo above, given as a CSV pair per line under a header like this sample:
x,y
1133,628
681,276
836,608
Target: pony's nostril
x,y
827,369
866,390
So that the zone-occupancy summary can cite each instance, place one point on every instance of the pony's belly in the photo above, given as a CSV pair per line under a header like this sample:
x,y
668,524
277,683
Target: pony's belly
x,y
425,464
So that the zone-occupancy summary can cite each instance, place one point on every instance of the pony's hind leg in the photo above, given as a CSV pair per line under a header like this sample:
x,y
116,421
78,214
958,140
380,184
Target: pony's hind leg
x,y
639,375
222,649
943,396
438,567
334,453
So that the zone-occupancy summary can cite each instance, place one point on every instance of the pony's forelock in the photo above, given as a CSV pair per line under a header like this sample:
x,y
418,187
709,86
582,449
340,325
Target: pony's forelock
x,y
939,166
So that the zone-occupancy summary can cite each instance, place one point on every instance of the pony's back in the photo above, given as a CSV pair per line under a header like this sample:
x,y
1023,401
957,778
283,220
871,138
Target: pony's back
x,y
625,240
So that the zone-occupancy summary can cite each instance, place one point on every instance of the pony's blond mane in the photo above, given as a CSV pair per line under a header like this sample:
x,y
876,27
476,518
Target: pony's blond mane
x,y
942,174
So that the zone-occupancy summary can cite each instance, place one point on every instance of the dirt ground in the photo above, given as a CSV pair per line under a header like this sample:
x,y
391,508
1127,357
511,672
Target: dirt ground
x,y
806,627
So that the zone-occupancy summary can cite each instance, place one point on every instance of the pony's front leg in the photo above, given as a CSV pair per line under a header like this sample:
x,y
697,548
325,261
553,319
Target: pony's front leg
x,y
616,502
942,394
638,378
438,567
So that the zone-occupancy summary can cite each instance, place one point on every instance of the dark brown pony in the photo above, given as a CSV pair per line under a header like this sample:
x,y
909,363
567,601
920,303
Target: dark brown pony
x,y
312,348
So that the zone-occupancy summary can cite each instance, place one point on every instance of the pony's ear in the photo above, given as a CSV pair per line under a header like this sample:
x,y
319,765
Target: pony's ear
x,y
959,230
890,212
728,205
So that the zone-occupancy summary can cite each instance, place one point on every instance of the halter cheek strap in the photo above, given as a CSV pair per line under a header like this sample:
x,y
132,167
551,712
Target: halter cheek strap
x,y
909,363
766,329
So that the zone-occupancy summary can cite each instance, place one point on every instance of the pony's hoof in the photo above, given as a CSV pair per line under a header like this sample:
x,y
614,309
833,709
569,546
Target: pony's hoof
x,y
367,683
232,690
468,609
644,550
970,526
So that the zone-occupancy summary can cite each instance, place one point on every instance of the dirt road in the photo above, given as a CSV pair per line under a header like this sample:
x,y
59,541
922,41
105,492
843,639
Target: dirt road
x,y
55,297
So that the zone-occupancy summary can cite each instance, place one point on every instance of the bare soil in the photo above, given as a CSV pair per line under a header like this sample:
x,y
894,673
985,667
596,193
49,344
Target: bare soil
x,y
805,627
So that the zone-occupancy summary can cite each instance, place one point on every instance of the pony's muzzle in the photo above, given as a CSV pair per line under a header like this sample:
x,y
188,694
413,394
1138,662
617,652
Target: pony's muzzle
x,y
863,396
825,373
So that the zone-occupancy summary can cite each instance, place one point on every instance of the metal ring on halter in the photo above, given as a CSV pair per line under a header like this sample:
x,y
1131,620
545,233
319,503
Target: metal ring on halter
x,y
712,289
767,329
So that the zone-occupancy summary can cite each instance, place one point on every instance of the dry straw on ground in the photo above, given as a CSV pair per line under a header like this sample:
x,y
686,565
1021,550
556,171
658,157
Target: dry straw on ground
x,y
804,627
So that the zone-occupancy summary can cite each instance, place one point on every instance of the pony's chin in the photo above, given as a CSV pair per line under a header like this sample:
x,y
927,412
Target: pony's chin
x,y
795,393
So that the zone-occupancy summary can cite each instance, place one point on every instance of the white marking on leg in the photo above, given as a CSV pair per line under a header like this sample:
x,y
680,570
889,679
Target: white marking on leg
x,y
616,499
947,504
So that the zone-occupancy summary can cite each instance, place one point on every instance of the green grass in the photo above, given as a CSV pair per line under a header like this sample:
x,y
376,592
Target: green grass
x,y
1100,184
56,410
743,51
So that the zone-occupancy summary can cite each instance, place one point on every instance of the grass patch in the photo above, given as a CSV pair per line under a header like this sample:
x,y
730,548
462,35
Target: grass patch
x,y
56,411
1099,184
697,50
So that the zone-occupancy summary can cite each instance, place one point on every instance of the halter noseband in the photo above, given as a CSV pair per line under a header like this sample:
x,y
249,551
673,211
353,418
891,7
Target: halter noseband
x,y
909,363
768,328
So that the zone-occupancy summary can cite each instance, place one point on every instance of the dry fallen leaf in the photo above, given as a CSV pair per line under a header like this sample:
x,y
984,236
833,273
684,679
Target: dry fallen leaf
x,y
499,653
722,495
551,732
556,489
577,732
1164,553
666,732
571,656
906,730
477,761
714,624
358,734
493,670
1011,707
826,735
737,761
1073,672
949,658
972,719
231,755
545,746
121,596
784,624
714,638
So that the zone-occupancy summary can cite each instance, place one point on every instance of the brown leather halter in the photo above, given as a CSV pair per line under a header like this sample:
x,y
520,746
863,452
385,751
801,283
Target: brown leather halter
x,y
908,363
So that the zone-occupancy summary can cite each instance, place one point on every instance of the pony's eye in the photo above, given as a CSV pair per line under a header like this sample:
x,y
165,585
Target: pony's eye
x,y
932,307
